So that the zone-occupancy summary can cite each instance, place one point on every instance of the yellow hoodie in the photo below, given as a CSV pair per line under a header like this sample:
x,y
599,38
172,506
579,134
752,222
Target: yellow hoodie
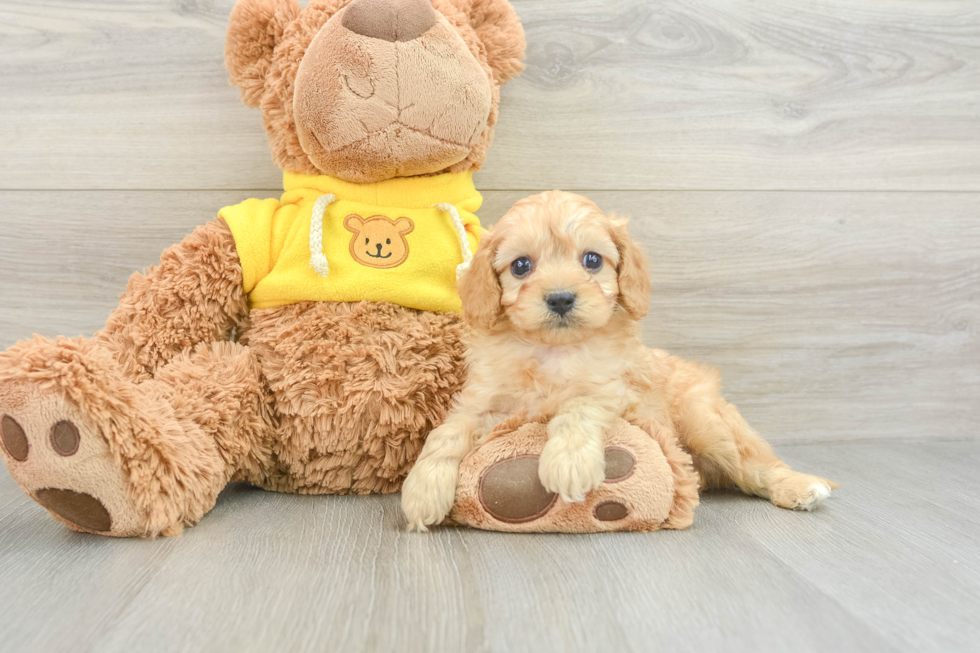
x,y
325,239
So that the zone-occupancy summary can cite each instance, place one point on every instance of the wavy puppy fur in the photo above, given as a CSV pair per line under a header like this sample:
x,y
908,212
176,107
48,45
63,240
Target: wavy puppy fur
x,y
553,298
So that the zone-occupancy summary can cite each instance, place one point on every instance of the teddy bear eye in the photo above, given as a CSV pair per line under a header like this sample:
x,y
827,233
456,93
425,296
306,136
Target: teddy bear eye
x,y
367,241
520,267
592,261
388,241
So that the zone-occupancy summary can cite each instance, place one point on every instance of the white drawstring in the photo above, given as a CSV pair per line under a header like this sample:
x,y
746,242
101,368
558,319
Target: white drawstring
x,y
464,243
318,260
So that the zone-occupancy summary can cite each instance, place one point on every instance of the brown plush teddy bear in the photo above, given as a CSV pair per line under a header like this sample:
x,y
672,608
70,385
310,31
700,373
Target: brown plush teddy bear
x,y
301,344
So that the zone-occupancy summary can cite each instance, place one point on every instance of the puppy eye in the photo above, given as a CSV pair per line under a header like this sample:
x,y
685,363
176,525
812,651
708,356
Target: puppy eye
x,y
592,261
521,266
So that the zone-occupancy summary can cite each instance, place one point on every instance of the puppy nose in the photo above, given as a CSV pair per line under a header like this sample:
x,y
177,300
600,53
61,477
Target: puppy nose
x,y
390,20
560,302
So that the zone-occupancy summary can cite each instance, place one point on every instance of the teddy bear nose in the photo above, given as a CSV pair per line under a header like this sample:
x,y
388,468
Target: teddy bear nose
x,y
390,20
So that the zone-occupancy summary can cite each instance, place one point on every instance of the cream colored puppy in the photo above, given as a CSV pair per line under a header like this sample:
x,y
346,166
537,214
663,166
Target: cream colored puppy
x,y
552,299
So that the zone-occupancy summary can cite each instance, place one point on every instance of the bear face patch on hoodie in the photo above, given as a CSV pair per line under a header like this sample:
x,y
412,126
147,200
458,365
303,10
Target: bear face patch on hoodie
x,y
399,241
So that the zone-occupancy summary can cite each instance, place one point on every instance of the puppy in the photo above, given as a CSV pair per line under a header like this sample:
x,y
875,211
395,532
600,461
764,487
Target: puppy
x,y
552,298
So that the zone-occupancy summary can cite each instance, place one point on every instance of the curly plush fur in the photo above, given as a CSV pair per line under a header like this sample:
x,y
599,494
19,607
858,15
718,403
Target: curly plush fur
x,y
356,387
163,408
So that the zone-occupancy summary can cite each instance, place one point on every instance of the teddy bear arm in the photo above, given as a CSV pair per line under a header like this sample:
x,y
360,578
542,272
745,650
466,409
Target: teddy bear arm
x,y
194,295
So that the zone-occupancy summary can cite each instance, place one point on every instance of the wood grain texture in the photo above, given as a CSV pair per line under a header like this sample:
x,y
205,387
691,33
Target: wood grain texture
x,y
832,316
695,94
887,564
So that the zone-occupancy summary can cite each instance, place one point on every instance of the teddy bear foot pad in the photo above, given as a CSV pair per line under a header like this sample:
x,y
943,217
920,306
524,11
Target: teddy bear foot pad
x,y
499,488
62,463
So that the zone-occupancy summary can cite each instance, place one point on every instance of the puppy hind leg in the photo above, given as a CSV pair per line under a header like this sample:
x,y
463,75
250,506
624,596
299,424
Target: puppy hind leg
x,y
728,452
761,473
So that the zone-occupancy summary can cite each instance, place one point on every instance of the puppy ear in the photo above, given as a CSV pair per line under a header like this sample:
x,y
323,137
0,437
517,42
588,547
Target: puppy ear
x,y
634,279
254,30
499,29
479,287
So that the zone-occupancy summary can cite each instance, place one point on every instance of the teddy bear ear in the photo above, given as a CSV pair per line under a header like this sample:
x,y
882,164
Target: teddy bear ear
x,y
353,223
499,29
404,226
254,30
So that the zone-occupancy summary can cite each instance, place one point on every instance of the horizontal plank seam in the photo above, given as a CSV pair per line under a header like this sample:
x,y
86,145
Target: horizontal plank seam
x,y
515,190
812,442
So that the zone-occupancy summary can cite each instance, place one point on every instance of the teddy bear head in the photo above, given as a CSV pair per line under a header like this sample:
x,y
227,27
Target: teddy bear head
x,y
369,90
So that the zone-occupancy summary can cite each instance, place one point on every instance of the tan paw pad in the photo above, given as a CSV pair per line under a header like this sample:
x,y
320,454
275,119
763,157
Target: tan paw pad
x,y
82,510
511,491
610,511
14,439
65,438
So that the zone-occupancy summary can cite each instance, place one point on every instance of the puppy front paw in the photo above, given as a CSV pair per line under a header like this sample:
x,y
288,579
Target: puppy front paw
x,y
571,473
428,493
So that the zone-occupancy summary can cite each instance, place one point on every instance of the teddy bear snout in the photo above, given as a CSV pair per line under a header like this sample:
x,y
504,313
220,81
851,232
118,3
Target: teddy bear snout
x,y
390,20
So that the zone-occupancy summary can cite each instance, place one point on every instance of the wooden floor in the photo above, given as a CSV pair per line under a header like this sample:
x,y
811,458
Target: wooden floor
x,y
889,563
806,180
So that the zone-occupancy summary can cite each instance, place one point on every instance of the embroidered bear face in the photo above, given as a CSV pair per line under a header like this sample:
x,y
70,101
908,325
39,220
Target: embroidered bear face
x,y
379,242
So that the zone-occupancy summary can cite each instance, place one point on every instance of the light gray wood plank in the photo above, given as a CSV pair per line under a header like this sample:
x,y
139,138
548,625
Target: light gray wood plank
x,y
65,256
746,95
832,316
871,570
906,543
682,94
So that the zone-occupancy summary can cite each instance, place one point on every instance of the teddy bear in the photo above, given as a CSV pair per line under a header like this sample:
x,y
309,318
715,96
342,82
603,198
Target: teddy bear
x,y
306,343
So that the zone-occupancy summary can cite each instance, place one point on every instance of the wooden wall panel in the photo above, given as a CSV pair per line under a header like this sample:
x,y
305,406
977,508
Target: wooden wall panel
x,y
702,94
832,316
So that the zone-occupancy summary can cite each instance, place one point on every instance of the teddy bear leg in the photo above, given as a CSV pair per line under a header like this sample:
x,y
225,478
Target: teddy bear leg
x,y
108,456
356,388
194,295
89,432
686,479
649,484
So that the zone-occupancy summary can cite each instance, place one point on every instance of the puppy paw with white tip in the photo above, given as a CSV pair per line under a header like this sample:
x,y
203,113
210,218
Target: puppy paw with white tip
x,y
428,493
569,472
801,491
